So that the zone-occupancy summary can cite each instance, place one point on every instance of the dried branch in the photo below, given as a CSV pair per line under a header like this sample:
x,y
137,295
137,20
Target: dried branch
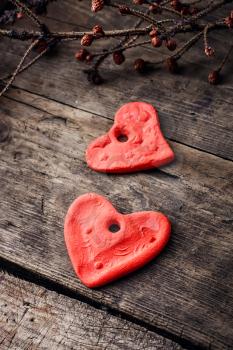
x,y
27,52
182,18
27,11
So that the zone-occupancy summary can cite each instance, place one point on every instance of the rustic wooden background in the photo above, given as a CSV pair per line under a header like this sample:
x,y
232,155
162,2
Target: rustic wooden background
x,y
183,299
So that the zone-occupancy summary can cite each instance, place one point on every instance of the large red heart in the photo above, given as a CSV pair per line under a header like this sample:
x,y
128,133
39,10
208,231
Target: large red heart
x,y
135,142
98,253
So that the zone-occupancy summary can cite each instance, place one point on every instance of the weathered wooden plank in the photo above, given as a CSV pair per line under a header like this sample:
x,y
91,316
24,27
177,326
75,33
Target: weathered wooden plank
x,y
42,169
192,112
33,317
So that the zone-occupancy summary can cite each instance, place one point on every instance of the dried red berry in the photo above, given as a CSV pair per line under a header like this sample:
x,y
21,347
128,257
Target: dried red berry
x,y
118,57
87,40
140,65
153,32
229,21
124,10
19,15
176,5
98,30
156,41
213,77
81,55
209,51
97,5
171,44
154,8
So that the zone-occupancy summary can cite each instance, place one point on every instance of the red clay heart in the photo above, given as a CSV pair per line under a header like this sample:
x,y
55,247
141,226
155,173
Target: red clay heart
x,y
104,245
135,142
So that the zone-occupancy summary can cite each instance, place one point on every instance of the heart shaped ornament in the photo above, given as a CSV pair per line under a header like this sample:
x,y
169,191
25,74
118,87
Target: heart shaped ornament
x,y
105,245
135,142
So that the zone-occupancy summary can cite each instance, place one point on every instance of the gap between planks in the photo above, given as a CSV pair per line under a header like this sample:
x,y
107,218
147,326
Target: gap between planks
x,y
36,101
33,316
30,276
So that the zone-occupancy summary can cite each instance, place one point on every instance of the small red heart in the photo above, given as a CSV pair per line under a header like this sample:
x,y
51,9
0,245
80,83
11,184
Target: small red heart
x,y
104,245
135,142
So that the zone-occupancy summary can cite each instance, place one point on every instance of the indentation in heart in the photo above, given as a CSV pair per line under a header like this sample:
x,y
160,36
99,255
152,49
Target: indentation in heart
x,y
135,142
100,254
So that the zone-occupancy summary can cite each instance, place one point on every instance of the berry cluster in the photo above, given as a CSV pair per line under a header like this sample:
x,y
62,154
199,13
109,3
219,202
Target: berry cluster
x,y
159,32
157,23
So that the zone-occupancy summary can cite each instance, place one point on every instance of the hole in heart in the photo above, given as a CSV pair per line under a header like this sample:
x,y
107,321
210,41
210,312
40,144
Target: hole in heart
x,y
152,239
114,228
98,265
122,138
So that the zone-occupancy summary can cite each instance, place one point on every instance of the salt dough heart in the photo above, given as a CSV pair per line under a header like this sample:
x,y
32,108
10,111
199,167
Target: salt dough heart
x,y
98,253
135,142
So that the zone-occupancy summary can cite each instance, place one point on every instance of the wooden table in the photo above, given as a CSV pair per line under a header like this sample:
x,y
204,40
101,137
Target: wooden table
x,y
181,300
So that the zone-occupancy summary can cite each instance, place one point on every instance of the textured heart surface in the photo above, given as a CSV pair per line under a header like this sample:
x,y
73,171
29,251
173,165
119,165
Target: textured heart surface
x,y
104,245
135,142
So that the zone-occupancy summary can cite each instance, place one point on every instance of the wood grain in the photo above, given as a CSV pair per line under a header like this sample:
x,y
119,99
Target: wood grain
x,y
33,317
42,169
192,112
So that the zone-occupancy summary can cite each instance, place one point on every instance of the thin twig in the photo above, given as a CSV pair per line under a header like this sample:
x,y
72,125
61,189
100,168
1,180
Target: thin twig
x,y
29,64
123,48
23,35
18,67
134,12
187,45
225,58
27,11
